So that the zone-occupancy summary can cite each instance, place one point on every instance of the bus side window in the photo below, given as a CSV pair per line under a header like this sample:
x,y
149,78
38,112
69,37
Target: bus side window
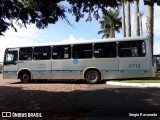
x,y
82,51
25,53
61,52
42,53
132,49
105,50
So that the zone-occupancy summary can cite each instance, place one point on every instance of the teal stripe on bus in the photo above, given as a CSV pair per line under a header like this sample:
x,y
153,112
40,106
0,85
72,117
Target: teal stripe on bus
x,y
55,70
10,71
103,70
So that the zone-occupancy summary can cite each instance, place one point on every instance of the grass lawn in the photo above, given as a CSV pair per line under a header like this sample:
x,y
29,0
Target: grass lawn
x,y
140,80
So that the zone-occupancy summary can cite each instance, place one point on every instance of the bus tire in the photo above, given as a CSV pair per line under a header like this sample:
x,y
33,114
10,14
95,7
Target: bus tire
x,y
25,77
92,76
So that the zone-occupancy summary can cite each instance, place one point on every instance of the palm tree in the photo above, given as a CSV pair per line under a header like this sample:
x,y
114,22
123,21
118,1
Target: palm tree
x,y
128,19
110,24
149,22
123,19
126,24
136,18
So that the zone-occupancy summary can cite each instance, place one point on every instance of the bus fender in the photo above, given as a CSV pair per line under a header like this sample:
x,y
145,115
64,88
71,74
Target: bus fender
x,y
23,69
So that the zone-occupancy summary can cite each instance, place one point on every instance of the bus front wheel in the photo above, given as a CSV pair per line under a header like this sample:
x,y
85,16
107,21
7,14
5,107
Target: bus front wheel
x,y
25,77
92,77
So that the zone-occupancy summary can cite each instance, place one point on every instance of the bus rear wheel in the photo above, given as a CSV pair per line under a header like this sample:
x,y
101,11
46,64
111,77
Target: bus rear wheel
x,y
25,77
92,76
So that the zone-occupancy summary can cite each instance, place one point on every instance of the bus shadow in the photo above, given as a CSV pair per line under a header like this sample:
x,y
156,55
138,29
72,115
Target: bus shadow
x,y
57,82
67,103
53,82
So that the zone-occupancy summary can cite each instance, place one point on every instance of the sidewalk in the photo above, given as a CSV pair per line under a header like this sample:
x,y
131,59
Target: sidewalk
x,y
117,102
156,85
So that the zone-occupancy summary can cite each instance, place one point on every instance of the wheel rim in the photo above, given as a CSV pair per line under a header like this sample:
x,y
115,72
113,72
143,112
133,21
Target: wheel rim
x,y
92,76
25,77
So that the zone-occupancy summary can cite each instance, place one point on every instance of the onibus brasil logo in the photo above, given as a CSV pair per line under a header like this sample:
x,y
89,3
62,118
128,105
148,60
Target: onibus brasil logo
x,y
18,114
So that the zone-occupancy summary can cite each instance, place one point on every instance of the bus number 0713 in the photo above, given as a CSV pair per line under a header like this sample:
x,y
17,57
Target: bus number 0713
x,y
134,66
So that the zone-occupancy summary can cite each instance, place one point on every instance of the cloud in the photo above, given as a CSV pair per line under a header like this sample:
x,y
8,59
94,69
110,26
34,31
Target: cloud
x,y
23,37
28,37
72,39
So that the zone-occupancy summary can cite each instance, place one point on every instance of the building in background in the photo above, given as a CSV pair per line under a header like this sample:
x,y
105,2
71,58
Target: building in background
x,y
156,60
0,67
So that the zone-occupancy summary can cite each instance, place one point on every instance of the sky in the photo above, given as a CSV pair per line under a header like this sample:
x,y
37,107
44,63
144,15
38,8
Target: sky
x,y
80,31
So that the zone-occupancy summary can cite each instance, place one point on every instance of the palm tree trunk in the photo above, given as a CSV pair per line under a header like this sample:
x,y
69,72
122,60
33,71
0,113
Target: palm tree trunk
x,y
123,19
112,33
136,18
128,19
149,23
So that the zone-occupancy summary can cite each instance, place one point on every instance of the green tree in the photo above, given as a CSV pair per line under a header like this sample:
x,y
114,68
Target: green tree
x,y
44,12
110,24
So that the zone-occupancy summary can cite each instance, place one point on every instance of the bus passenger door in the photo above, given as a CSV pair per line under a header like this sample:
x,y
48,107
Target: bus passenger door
x,y
10,67
42,69
41,64
106,60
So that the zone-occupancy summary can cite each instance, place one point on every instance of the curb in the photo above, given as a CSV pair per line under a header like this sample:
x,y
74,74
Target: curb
x,y
156,85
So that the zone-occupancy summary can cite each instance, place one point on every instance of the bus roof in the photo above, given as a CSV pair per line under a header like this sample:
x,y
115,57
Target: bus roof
x,y
87,41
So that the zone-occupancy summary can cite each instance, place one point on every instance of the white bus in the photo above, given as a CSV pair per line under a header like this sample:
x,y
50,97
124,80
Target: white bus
x,y
91,60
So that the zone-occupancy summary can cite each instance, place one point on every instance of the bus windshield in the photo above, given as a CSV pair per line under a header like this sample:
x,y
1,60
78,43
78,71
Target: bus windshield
x,y
10,57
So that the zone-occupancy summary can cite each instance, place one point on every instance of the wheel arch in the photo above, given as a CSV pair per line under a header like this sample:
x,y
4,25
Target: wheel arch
x,y
23,71
92,68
